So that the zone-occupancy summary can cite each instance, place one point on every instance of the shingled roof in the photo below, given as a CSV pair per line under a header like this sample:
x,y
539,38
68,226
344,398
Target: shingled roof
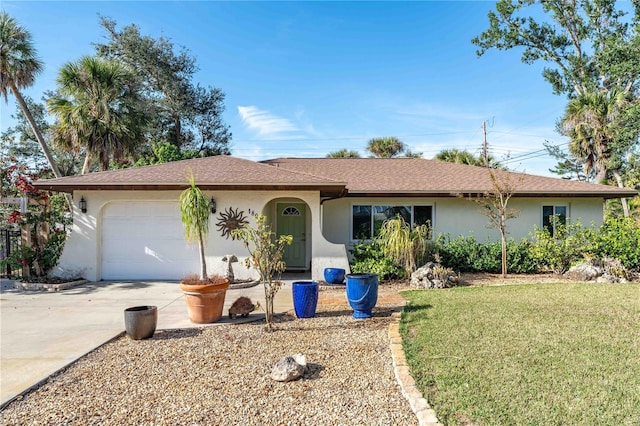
x,y
333,177
421,177
211,173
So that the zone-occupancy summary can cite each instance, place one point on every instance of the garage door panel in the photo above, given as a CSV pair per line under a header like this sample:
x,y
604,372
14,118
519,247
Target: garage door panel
x,y
145,240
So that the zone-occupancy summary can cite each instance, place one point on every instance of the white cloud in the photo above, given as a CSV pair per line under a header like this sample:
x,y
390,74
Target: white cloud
x,y
266,124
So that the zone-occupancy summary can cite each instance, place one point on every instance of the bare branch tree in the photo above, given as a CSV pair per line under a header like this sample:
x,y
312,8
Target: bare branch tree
x,y
494,204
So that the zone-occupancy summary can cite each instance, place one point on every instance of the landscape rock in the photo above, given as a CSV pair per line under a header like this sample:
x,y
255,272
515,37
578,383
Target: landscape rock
x,y
607,270
289,368
433,275
615,268
585,272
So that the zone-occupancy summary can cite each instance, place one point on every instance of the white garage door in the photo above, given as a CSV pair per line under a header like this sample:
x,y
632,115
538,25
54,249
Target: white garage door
x,y
145,240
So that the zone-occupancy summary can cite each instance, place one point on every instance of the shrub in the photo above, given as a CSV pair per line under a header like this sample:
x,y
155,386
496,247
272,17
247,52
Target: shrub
x,y
619,238
520,257
466,254
570,243
370,257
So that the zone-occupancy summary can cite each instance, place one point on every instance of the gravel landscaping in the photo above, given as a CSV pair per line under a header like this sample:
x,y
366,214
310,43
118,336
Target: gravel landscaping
x,y
220,375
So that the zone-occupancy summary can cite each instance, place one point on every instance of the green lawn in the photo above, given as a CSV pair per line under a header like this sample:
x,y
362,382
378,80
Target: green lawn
x,y
531,354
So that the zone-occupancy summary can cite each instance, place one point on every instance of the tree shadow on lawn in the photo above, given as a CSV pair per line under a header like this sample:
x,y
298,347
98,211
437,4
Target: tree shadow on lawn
x,y
417,307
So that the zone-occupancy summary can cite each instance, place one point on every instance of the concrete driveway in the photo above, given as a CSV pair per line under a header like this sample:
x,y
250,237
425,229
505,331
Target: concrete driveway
x,y
42,332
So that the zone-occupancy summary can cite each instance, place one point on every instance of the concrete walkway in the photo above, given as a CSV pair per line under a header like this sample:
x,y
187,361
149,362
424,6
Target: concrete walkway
x,y
42,332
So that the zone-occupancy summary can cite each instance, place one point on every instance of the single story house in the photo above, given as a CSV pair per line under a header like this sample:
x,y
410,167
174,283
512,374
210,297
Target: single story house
x,y
127,222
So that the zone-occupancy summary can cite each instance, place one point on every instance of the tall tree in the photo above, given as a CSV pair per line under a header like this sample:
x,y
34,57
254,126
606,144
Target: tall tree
x,y
454,155
19,141
18,67
343,153
98,111
386,147
463,156
185,114
589,121
592,51
587,43
568,167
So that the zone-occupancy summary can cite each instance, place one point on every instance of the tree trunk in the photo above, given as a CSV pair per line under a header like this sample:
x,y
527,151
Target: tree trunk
x,y
36,131
504,252
601,175
268,309
87,163
625,206
203,262
25,235
39,137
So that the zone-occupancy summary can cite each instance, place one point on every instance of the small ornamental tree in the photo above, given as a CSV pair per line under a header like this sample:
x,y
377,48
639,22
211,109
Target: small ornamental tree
x,y
194,212
265,255
494,205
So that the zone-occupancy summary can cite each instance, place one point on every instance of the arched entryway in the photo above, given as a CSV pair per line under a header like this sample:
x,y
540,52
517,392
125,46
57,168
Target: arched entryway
x,y
292,217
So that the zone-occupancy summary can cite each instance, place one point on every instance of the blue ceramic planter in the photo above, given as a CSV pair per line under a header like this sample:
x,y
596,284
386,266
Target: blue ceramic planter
x,y
334,275
305,298
362,294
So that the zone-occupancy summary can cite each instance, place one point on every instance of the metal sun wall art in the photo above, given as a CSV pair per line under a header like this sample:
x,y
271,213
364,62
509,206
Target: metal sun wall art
x,y
229,220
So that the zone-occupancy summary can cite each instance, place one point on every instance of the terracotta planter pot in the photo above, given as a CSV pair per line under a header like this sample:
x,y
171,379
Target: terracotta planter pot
x,y
205,302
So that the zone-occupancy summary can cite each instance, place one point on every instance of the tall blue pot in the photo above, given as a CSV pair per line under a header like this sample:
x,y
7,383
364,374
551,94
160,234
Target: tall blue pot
x,y
362,294
305,298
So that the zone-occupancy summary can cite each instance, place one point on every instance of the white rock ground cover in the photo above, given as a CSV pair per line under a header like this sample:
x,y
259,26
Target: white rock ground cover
x,y
220,375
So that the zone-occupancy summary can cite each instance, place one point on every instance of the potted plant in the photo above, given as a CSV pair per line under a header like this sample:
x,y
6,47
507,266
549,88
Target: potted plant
x,y
265,256
204,295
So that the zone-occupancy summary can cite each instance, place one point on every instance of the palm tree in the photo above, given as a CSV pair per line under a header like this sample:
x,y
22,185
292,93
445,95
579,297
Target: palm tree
x,y
194,212
98,111
454,155
344,153
590,121
386,147
457,156
18,68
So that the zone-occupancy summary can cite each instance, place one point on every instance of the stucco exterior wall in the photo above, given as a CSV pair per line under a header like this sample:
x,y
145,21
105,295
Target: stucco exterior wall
x,y
82,253
456,216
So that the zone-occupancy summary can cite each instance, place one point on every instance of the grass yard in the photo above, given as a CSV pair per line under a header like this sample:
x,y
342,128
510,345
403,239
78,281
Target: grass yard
x,y
531,354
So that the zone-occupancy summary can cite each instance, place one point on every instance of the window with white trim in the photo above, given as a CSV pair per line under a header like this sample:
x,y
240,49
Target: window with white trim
x,y
552,215
367,219
291,211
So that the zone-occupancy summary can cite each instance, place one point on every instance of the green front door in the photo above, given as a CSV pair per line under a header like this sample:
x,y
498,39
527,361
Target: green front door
x,y
291,221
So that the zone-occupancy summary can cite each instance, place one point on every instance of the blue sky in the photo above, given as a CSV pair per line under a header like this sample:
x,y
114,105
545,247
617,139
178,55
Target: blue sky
x,y
308,78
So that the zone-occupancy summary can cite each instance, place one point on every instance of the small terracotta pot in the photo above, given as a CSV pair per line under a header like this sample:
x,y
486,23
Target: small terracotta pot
x,y
205,302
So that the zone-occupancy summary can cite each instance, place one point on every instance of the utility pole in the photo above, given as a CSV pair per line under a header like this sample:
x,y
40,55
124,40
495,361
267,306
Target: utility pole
x,y
484,144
